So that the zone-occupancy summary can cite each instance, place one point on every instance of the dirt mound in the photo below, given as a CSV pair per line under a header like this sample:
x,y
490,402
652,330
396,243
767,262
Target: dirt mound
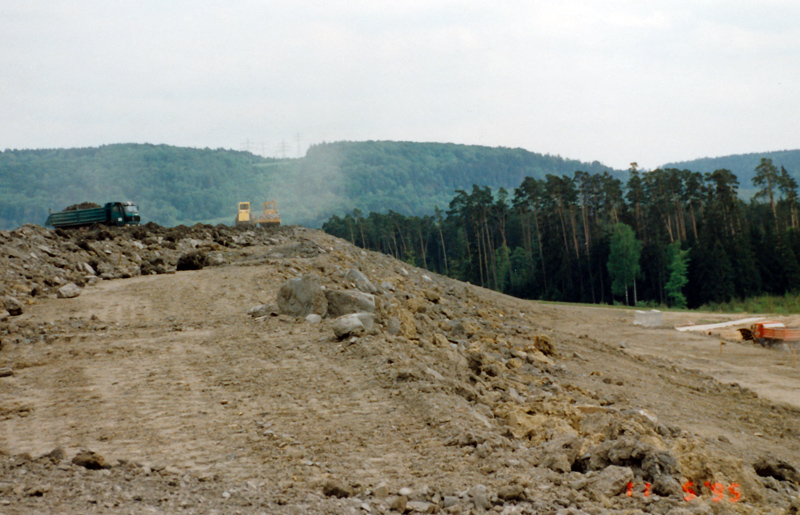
x,y
82,205
168,392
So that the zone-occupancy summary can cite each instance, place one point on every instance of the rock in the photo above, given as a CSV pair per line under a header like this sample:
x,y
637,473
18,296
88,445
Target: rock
x,y
216,258
334,488
419,507
68,291
449,500
360,280
348,325
349,301
264,310
13,306
667,486
88,269
301,296
480,497
398,504
90,460
313,318
432,296
543,345
513,492
630,451
367,320
611,481
381,491
770,466
393,326
195,260
4,314
56,455
387,286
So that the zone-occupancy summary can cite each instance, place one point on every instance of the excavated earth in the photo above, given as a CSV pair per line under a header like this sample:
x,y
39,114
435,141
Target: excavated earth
x,y
137,377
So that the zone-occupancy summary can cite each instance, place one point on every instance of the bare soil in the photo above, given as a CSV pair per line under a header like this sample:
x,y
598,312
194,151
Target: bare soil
x,y
479,403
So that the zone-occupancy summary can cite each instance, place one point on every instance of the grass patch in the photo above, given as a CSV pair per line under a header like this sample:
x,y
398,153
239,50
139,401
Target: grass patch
x,y
787,304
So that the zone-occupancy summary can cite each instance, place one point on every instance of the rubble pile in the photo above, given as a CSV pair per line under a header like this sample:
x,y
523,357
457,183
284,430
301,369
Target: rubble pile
x,y
40,262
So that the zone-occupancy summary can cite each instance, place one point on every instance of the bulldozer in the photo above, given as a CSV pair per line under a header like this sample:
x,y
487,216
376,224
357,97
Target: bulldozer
x,y
243,217
269,218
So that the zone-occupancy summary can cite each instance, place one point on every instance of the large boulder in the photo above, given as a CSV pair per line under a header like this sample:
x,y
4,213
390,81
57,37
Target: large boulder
x,y
349,301
360,280
302,296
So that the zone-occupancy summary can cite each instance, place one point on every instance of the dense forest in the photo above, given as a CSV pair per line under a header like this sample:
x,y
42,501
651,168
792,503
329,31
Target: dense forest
x,y
668,236
174,185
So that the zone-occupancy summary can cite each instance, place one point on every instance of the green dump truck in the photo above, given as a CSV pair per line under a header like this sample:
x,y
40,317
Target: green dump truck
x,y
113,213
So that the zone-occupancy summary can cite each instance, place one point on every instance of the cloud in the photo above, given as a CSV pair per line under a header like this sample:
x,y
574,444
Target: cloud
x,y
614,81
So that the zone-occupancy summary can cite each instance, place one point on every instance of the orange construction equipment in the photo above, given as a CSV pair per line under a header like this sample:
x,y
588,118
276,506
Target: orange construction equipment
x,y
770,334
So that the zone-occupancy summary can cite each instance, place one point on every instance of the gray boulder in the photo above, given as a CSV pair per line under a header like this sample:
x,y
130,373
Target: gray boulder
x,y
68,291
349,301
301,296
360,280
348,325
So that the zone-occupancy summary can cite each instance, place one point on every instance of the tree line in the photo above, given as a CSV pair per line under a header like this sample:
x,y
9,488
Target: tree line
x,y
667,236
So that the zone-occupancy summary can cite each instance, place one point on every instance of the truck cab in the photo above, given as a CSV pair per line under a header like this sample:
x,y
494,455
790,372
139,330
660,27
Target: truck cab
x,y
123,213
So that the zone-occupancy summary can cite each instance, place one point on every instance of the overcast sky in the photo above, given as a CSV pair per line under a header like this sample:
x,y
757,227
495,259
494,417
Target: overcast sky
x,y
615,81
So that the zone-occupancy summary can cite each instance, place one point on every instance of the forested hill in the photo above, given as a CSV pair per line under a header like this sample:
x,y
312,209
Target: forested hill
x,y
175,185
743,166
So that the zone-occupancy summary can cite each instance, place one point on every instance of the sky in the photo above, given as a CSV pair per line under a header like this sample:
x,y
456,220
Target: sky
x,y
616,81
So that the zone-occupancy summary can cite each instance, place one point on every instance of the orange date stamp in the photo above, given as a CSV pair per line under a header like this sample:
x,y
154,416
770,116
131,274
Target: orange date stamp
x,y
718,491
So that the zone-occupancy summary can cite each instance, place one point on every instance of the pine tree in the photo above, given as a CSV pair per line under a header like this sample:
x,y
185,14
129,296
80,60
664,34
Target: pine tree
x,y
623,261
678,275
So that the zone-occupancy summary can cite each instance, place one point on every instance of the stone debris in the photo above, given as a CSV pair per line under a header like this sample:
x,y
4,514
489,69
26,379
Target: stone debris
x,y
68,291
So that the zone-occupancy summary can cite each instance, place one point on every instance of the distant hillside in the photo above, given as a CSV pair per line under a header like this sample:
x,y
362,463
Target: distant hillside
x,y
743,165
175,185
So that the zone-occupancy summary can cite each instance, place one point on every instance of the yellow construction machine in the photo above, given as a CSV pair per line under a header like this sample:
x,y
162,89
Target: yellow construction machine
x,y
243,218
270,217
